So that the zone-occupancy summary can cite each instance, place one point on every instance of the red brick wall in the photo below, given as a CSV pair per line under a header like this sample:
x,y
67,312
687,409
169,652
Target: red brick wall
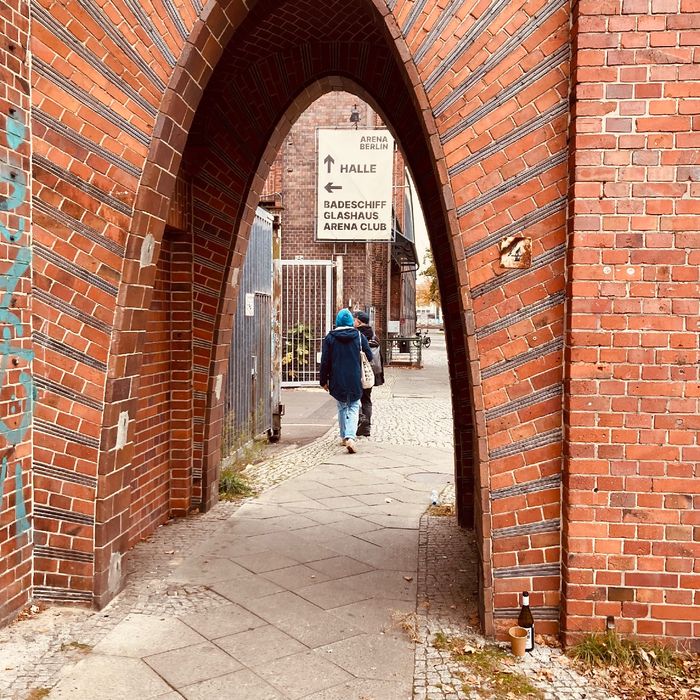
x,y
632,534
16,383
478,95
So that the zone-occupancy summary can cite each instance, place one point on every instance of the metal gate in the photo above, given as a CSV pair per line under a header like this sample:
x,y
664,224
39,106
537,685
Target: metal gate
x,y
249,387
307,315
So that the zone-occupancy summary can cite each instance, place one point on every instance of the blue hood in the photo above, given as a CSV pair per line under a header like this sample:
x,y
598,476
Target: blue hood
x,y
345,335
344,318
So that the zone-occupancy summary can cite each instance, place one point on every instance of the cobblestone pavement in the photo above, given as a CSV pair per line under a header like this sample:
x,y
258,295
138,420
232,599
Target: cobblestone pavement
x,y
36,653
446,605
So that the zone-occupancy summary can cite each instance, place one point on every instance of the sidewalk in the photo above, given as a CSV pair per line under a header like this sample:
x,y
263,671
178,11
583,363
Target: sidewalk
x,y
331,585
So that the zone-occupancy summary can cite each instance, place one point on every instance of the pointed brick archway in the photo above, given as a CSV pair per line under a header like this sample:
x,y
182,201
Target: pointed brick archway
x,y
233,141
223,129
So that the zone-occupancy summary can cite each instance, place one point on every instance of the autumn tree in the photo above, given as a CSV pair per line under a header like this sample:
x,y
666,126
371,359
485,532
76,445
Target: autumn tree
x,y
423,292
430,273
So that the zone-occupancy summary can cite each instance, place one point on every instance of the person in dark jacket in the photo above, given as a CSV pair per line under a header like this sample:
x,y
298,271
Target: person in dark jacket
x,y
364,425
341,373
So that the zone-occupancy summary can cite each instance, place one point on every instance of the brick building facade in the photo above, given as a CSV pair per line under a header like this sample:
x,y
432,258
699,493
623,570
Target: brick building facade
x,y
574,382
366,267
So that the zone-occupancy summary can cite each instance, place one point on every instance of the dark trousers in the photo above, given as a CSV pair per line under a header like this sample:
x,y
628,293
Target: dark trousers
x,y
365,412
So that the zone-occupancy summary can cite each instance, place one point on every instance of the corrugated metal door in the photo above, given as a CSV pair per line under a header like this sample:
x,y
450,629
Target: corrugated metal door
x,y
248,392
307,315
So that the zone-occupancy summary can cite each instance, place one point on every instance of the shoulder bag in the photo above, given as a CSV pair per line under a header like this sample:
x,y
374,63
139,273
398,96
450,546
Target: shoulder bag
x,y
366,371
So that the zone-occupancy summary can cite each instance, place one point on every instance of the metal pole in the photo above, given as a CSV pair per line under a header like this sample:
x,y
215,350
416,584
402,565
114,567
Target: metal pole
x,y
338,282
276,350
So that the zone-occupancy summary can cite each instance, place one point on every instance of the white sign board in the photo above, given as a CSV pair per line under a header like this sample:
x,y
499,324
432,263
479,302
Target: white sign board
x,y
354,185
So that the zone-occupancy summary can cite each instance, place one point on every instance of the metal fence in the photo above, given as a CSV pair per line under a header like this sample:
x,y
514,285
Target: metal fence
x,y
249,388
307,315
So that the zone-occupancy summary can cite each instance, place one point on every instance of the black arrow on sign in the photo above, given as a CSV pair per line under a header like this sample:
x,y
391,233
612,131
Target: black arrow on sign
x,y
330,187
329,160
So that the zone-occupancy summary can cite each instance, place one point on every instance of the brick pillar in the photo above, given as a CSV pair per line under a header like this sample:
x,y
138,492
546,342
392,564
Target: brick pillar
x,y
16,383
181,407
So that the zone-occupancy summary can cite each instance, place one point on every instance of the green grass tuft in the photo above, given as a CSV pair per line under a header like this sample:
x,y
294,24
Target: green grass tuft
x,y
610,649
233,484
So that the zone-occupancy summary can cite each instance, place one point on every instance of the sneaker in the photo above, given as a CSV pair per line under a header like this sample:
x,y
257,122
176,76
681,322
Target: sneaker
x,y
343,441
350,445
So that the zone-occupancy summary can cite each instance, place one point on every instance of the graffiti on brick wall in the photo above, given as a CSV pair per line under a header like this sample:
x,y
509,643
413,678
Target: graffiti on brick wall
x,y
15,382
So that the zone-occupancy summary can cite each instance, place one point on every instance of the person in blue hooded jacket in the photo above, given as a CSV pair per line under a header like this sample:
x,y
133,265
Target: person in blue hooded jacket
x,y
341,372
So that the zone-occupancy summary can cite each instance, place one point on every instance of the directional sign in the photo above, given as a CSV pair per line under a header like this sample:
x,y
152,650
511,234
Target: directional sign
x,y
354,185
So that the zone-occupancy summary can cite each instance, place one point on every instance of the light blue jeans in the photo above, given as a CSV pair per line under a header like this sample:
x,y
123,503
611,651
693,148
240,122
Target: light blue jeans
x,y
348,415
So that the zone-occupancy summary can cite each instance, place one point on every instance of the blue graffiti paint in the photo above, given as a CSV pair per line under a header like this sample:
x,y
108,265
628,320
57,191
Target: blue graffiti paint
x,y
20,507
12,237
16,130
17,182
8,283
3,476
14,430
15,435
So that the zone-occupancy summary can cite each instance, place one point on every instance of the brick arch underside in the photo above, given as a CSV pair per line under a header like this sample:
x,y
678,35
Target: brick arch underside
x,y
490,78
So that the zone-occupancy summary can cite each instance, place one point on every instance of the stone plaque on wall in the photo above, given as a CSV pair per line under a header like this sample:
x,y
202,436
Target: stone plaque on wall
x,y
516,252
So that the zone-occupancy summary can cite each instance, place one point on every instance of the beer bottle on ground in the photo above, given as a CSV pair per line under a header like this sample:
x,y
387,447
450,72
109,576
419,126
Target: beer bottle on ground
x,y
525,620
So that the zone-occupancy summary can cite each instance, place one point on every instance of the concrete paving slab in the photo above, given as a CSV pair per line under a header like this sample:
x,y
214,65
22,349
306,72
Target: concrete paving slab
x,y
373,499
302,674
240,527
322,516
375,656
376,614
190,665
241,685
393,538
242,590
354,548
174,695
302,620
389,520
318,533
373,486
222,621
339,567
393,585
354,525
137,636
339,502
306,505
282,497
332,594
265,561
259,510
366,690
230,546
317,490
100,677
295,577
292,546
258,646
394,509
205,570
